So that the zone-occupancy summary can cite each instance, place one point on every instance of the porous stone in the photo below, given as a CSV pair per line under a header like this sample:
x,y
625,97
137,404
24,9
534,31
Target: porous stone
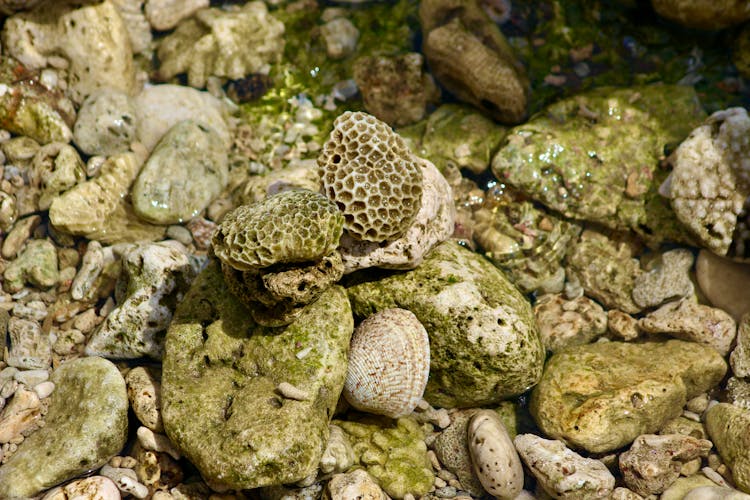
x,y
715,493
452,449
703,14
584,162
89,488
586,389
22,230
355,484
166,14
684,426
393,452
85,425
622,325
561,472
220,406
106,123
729,428
339,454
740,357
667,278
29,346
230,43
653,462
688,320
56,167
568,322
93,38
495,460
36,265
340,36
484,344
144,394
160,107
684,485
20,415
187,169
155,277
724,282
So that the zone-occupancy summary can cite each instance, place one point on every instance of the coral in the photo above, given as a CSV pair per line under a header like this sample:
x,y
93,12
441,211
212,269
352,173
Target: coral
x,y
368,171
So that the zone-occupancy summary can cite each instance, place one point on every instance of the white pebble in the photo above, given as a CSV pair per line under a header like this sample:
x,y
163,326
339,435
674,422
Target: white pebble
x,y
44,389
157,442
30,378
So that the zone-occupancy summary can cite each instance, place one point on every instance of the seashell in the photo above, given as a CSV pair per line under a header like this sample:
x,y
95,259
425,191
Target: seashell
x,y
496,462
389,362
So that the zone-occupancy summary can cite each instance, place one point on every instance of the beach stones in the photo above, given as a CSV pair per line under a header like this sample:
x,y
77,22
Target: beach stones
x,y
585,390
249,406
85,426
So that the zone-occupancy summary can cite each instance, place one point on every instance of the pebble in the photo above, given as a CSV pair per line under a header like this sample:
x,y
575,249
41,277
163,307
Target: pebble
x,y
17,237
340,37
44,389
29,346
157,442
180,233
356,484
144,394
91,268
89,488
19,415
30,378
564,322
125,480
36,264
106,123
724,282
34,310
495,460
667,279
740,357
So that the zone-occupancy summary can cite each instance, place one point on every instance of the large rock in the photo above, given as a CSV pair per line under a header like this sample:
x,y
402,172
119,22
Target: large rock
x,y
484,344
729,428
87,424
586,391
704,14
224,403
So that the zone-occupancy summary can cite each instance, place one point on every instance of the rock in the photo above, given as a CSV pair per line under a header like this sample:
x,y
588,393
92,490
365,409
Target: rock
x,y
155,276
86,424
561,472
22,230
715,493
90,488
653,462
224,43
91,268
8,211
355,484
738,392
166,14
160,107
688,320
395,89
219,379
723,282
452,449
622,325
187,169
144,394
20,416
568,322
484,344
729,428
684,485
106,123
703,14
99,209
259,187
624,494
585,390
589,164
56,167
666,279
36,264
495,460
340,37
469,55
684,426
393,452
93,39
339,454
29,346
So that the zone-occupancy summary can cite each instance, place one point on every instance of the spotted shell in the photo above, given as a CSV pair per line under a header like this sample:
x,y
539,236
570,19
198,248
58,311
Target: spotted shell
x,y
389,362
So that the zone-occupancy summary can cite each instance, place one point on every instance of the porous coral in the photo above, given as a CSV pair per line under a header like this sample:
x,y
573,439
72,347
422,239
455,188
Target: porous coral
x,y
368,171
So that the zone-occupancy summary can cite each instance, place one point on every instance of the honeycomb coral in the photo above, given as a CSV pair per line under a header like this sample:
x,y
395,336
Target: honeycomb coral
x,y
368,171
292,226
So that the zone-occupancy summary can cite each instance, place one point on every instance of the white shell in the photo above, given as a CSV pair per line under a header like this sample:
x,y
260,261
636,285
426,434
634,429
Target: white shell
x,y
389,362
496,462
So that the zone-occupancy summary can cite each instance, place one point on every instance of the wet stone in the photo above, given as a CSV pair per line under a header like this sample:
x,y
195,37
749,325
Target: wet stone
x,y
86,424
355,484
586,389
106,123
20,415
738,392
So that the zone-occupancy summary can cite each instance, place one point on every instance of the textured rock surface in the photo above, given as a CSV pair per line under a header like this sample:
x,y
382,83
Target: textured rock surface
x,y
106,123
703,14
667,278
187,169
585,390
85,426
452,449
166,14
564,322
355,484
484,345
220,374
729,428
740,357
37,265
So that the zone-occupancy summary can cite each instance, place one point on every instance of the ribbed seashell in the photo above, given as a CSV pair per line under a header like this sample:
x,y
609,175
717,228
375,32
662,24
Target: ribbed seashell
x,y
389,362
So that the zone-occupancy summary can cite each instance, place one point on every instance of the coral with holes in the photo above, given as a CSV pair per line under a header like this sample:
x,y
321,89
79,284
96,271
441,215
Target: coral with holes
x,y
368,171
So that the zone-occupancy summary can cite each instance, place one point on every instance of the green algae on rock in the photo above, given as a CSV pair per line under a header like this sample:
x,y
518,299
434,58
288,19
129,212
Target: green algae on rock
x,y
391,451
729,428
484,344
595,156
37,264
600,397
221,372
85,426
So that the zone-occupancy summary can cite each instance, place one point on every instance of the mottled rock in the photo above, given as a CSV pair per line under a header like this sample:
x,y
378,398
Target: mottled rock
x,y
622,325
684,426
20,415
89,488
688,320
484,345
568,322
144,394
22,230
495,459
561,472
703,14
155,277
738,392
56,168
222,42
93,38
355,484
340,36
166,14
452,449
667,278
106,123
715,493
653,462
585,390
187,169
729,428
259,187
160,107
86,424
339,454
724,282
99,209
29,345
579,159
393,452
624,494
220,373
36,265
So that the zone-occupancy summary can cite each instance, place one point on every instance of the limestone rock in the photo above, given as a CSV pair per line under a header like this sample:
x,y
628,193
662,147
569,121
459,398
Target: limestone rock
x,y
89,488
740,357
37,265
452,449
684,485
495,459
667,278
484,345
144,394
340,36
220,373
56,167
355,484
187,169
139,30
86,425
29,346
106,123
568,322
166,14
585,390
729,428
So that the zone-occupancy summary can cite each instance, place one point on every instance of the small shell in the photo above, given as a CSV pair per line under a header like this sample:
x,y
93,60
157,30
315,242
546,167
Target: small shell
x,y
496,462
389,362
